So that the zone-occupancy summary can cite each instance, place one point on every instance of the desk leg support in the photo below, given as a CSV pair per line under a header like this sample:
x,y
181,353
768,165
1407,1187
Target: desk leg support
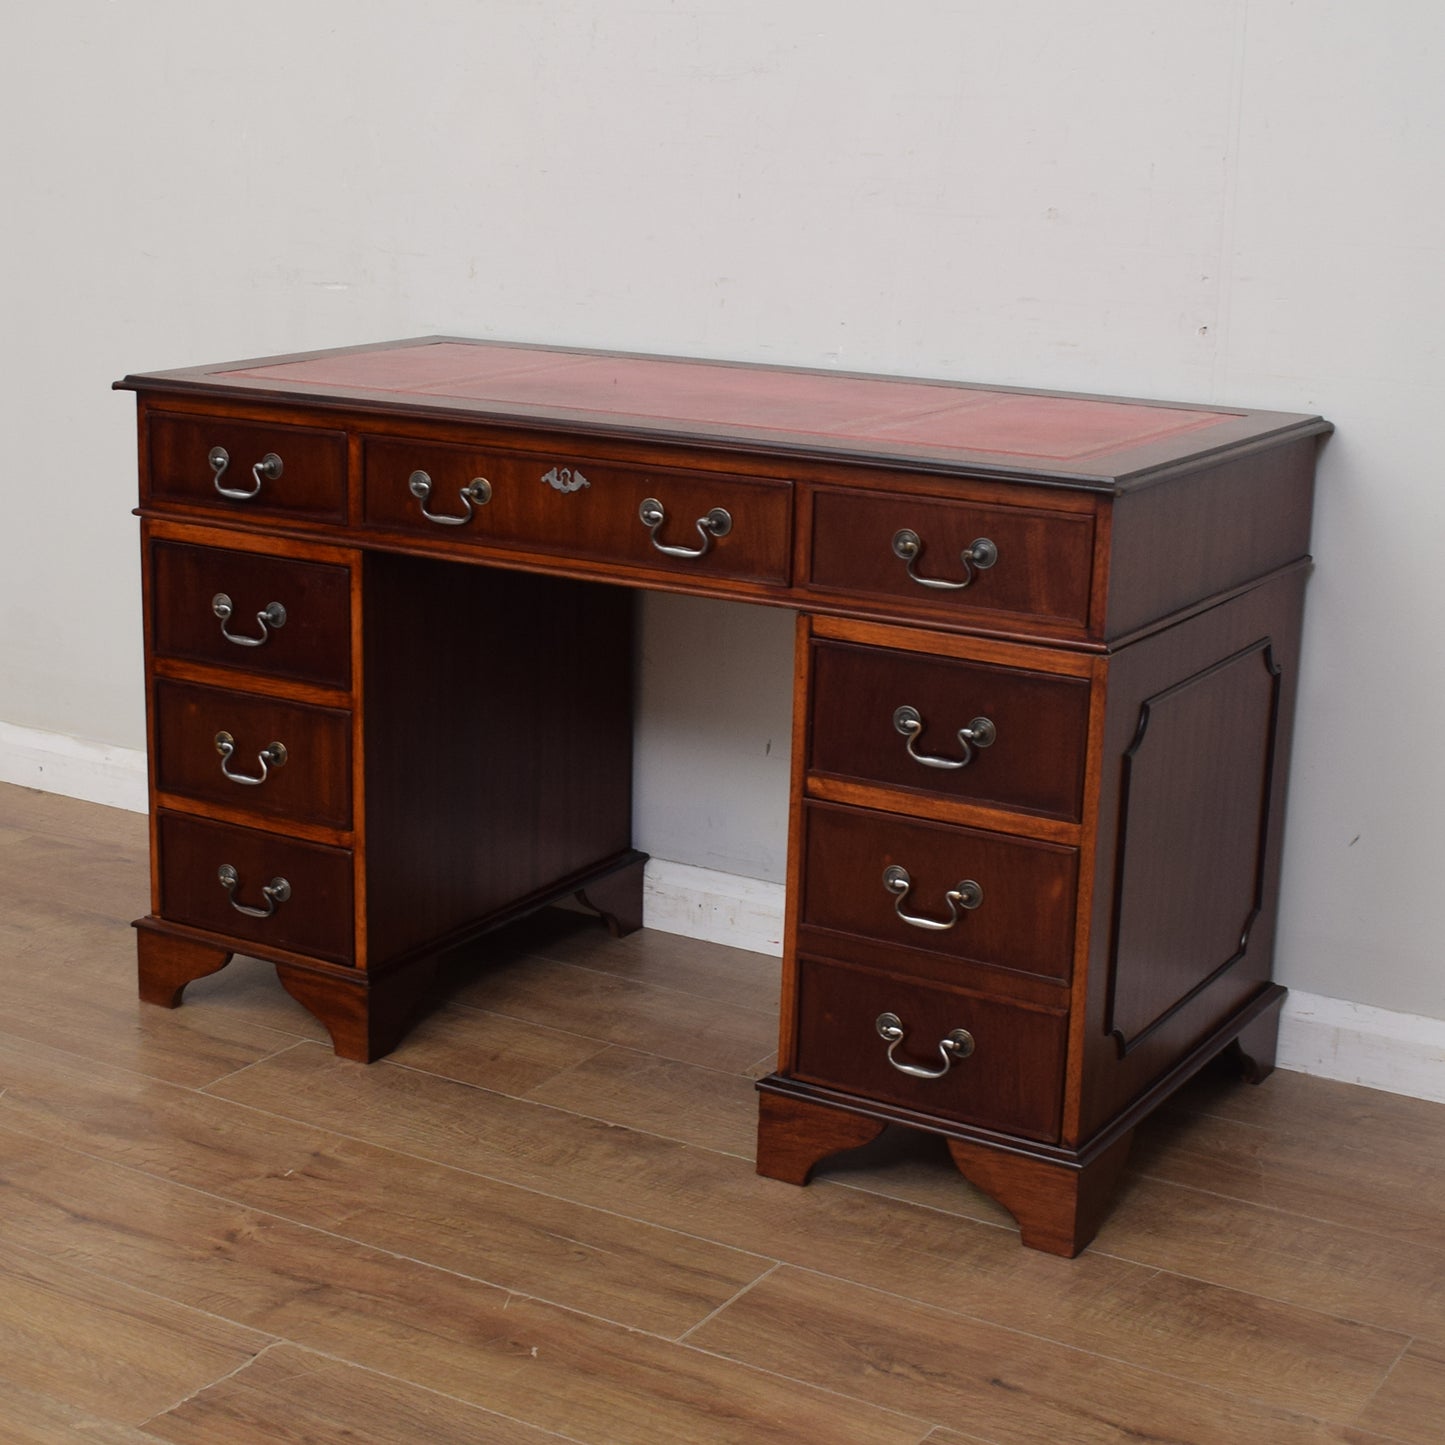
x,y
795,1136
166,964
1059,1207
1059,1203
367,1018
618,898
1254,1048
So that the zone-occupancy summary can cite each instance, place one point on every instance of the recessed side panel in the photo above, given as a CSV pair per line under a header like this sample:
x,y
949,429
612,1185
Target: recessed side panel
x,y
1194,758
1193,837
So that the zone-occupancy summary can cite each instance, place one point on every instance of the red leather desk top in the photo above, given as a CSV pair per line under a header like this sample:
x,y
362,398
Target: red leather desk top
x,y
942,425
857,408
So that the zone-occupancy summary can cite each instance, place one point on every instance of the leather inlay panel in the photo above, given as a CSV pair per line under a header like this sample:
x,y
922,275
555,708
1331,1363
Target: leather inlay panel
x,y
861,408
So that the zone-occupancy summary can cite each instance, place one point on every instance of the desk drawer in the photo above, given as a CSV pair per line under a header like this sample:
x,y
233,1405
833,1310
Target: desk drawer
x,y
268,469
312,642
1018,914
582,509
1025,732
1006,1074
1041,568
281,759
314,916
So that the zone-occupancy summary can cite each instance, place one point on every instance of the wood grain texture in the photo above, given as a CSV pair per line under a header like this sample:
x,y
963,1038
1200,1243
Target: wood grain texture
x,y
731,977
598,1005
288,1394
214,1229
606,1265
109,1347
1011,1387
449,1332
71,985
1411,1403
1397,1191
710,1107
493,1051
1099,1305
795,1136
32,1418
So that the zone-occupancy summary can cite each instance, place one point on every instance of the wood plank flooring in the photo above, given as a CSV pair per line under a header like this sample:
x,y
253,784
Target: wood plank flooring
x,y
539,1221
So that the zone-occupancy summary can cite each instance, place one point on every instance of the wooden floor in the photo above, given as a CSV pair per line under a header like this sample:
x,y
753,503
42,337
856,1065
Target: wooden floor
x,y
539,1221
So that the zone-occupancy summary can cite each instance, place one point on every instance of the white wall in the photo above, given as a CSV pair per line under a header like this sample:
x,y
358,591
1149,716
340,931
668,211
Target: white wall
x,y
1234,201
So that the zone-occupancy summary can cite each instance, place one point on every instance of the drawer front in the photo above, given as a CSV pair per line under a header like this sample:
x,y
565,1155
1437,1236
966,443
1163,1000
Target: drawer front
x,y
279,759
972,732
317,916
1008,1074
269,469
737,528
1041,568
1022,918
311,642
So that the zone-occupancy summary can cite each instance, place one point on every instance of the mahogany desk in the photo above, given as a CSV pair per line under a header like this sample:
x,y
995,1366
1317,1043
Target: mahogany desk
x,y
1046,657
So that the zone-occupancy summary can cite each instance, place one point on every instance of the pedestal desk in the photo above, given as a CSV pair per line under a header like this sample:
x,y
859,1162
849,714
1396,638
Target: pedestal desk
x,y
1046,659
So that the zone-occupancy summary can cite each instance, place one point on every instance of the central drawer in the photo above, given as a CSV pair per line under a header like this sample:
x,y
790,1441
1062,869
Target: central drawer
x,y
959,893
705,524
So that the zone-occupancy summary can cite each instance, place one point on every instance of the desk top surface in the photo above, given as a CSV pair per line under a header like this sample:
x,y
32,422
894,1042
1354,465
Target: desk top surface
x,y
1088,441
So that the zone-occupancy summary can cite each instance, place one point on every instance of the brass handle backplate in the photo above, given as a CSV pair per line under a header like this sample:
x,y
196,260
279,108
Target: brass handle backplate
x,y
476,493
273,756
977,557
980,733
954,1046
717,523
277,891
268,469
963,896
271,616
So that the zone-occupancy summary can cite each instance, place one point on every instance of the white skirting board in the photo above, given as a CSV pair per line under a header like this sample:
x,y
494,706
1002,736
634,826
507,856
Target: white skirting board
x,y
74,768
1328,1037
